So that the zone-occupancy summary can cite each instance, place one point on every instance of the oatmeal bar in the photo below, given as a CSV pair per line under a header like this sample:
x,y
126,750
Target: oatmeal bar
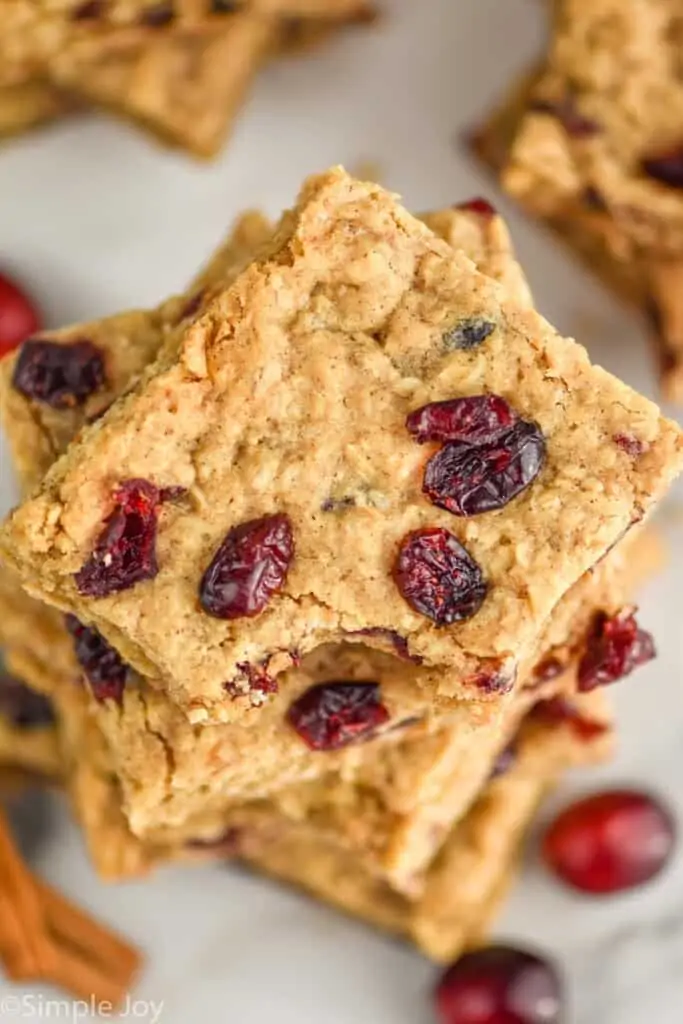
x,y
28,729
592,144
36,633
185,86
34,34
287,420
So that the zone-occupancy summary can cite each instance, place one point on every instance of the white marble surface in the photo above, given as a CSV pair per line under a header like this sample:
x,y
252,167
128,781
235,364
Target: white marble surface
x,y
95,219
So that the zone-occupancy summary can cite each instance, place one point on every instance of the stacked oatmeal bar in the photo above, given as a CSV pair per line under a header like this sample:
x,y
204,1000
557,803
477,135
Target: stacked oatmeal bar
x,y
590,142
178,68
323,564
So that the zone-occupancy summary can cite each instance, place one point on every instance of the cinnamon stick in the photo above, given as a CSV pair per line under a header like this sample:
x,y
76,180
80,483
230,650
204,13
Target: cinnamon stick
x,y
45,937
25,942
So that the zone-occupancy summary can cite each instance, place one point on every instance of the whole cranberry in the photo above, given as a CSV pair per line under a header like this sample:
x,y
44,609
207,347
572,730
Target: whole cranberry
x,y
610,842
249,567
438,578
18,316
470,478
499,985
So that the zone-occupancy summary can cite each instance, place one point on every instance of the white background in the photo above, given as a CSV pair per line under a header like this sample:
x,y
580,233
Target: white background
x,y
93,218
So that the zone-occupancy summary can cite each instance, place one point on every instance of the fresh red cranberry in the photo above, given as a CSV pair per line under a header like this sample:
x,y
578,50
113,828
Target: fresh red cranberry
x,y
18,316
249,567
438,577
467,334
633,446
666,167
333,715
104,668
560,711
610,842
22,706
61,376
499,985
617,647
477,205
125,551
397,643
476,419
469,479
569,116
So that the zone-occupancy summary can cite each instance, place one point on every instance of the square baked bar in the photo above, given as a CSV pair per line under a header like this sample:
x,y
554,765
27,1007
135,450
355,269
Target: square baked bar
x,y
591,144
264,488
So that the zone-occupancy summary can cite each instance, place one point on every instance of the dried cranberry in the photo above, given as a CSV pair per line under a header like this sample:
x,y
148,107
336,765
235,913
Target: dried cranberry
x,y
224,6
333,715
569,116
633,446
18,316
125,551
158,15
560,711
438,577
666,167
398,643
22,706
249,567
467,334
616,648
499,985
477,419
477,205
610,842
469,479
59,375
104,668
